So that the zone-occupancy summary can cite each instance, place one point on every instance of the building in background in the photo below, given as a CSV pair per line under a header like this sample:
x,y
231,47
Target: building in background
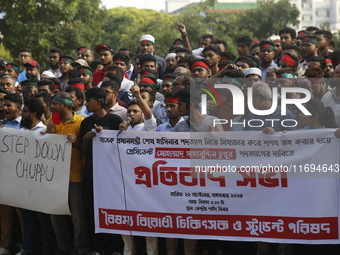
x,y
317,13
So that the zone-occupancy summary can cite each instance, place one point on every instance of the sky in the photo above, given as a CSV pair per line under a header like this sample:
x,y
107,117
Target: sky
x,y
140,4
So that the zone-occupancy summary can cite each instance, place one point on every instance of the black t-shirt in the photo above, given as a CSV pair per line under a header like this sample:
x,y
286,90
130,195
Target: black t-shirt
x,y
109,121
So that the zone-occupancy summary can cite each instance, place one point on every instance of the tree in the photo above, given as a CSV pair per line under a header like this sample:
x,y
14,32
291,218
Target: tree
x,y
125,26
44,24
269,18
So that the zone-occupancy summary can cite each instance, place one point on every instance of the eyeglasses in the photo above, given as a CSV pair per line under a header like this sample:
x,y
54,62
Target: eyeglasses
x,y
23,56
108,92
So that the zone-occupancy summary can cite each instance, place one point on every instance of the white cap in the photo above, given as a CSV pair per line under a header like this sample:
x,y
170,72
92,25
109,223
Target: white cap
x,y
170,55
253,70
147,37
48,73
198,53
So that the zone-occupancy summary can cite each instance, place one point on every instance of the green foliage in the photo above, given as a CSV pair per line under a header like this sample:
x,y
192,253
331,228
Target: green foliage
x,y
125,26
44,24
268,18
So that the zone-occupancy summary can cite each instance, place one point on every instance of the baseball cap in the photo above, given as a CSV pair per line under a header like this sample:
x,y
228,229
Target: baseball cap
x,y
33,63
3,62
99,47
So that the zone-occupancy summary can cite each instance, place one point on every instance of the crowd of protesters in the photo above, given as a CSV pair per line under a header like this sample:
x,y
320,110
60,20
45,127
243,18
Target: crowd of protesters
x,y
144,92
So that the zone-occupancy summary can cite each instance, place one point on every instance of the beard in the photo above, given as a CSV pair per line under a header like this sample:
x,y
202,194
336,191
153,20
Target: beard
x,y
26,123
54,67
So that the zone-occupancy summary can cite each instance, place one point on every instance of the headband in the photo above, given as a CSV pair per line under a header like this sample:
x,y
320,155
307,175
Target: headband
x,y
267,46
63,100
85,70
317,80
199,64
30,84
232,80
311,40
146,42
288,60
169,79
328,61
16,69
64,59
147,81
78,85
285,75
171,99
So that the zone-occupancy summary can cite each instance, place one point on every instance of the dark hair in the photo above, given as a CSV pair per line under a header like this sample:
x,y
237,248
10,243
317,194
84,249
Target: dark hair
x,y
313,72
288,30
248,60
126,49
116,70
229,55
112,84
254,45
205,36
54,80
114,77
187,52
56,50
35,105
94,64
124,57
311,28
328,35
188,60
220,41
46,82
3,91
133,102
147,58
213,48
76,80
296,48
319,59
332,44
335,55
169,75
326,114
234,73
225,63
15,98
284,70
26,50
151,94
96,92
47,98
244,39
190,93
73,73
79,93
172,49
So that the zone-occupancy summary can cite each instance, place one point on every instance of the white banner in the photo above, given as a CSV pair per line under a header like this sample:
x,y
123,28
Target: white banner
x,y
35,170
243,186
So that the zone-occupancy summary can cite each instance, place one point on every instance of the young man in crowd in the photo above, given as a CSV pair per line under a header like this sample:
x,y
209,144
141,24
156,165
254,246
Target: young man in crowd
x,y
99,120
